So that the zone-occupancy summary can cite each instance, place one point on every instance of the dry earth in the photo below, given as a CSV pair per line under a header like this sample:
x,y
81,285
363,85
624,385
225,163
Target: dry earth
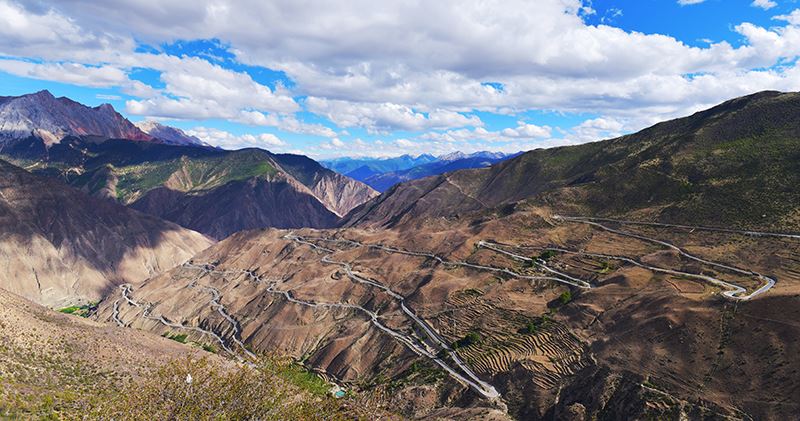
x,y
640,342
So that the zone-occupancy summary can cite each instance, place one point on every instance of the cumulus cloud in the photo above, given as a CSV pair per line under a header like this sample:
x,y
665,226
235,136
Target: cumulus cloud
x,y
73,73
284,122
523,130
688,2
228,140
391,65
793,18
379,117
764,4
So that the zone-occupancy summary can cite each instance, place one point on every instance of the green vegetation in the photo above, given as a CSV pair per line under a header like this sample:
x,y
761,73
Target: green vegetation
x,y
85,310
188,388
191,173
470,339
301,377
605,267
209,348
420,373
565,297
177,337
535,325
530,328
548,254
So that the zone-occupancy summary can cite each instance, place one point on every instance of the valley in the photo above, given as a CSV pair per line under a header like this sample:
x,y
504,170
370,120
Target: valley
x,y
494,315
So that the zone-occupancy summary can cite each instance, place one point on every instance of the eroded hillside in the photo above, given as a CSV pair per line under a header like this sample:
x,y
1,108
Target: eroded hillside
x,y
529,313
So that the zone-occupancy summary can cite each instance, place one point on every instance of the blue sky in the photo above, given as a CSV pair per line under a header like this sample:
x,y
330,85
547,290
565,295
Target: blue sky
x,y
388,78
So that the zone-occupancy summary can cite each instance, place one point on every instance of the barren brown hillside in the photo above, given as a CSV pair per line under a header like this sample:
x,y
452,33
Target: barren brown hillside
x,y
582,316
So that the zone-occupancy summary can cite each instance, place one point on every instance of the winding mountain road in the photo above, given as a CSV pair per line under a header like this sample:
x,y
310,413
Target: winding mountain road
x,y
688,227
473,381
453,263
735,292
127,289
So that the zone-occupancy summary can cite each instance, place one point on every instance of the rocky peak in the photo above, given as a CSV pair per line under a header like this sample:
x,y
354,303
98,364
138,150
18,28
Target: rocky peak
x,y
167,134
44,116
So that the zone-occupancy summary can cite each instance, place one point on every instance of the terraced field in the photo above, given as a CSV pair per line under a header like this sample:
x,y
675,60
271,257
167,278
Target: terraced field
x,y
550,352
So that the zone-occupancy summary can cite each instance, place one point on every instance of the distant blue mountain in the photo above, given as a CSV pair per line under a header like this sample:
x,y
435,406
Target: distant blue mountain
x,y
381,174
376,165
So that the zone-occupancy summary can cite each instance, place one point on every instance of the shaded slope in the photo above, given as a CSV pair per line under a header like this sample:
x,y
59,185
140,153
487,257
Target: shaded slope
x,y
238,205
735,164
63,246
203,188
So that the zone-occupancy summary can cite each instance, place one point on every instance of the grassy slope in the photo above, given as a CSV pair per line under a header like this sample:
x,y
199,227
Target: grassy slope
x,y
196,173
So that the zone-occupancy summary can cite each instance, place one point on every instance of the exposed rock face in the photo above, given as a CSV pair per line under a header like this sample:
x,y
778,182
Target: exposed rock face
x,y
339,193
51,119
167,134
61,246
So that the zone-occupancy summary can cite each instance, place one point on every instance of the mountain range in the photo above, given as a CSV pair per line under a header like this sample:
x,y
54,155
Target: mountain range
x,y
734,164
650,276
383,173
162,171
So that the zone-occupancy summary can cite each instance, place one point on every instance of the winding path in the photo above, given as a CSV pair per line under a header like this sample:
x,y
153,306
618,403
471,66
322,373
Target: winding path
x,y
126,291
689,227
473,381
735,292
569,281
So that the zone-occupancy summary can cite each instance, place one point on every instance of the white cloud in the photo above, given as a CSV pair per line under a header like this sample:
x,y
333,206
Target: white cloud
x,y
392,65
793,18
287,123
523,130
228,140
405,143
764,4
379,117
688,2
73,73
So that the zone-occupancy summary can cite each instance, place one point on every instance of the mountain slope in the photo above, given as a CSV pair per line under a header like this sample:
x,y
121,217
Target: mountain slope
x,y
204,189
51,119
63,247
220,192
734,164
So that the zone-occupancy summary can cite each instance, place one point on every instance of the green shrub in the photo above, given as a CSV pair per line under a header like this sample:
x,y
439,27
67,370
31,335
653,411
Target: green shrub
x,y
470,339
548,254
565,297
